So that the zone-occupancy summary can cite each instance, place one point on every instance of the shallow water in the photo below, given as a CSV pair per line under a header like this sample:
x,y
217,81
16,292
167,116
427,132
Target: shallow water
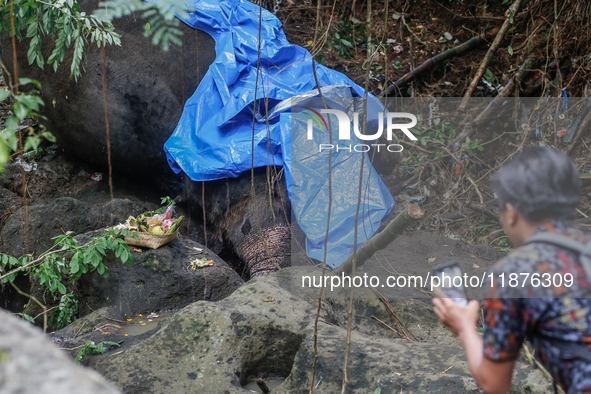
x,y
271,383
141,324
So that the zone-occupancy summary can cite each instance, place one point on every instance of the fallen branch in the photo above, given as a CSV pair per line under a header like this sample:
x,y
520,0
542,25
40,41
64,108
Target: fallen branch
x,y
483,210
412,32
402,326
378,320
582,128
447,370
381,240
511,12
459,214
497,102
586,180
438,60
475,188
46,311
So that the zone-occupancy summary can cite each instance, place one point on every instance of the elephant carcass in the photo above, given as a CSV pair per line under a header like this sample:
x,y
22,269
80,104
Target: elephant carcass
x,y
146,91
259,229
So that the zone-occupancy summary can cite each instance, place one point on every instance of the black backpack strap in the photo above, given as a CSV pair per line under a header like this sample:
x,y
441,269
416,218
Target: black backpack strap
x,y
582,249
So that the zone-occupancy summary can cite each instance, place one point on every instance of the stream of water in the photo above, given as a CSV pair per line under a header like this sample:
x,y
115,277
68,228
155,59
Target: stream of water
x,y
144,323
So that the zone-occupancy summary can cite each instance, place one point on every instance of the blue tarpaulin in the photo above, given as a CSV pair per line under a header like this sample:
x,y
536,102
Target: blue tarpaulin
x,y
213,139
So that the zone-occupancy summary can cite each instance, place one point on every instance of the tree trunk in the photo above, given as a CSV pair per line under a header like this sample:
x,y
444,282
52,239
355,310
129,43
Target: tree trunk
x,y
381,240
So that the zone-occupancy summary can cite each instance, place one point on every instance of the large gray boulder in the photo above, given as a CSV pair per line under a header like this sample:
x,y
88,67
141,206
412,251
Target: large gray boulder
x,y
262,330
31,364
146,92
157,280
48,220
8,200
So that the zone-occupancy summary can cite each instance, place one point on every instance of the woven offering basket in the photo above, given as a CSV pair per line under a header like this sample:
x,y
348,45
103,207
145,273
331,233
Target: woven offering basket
x,y
152,241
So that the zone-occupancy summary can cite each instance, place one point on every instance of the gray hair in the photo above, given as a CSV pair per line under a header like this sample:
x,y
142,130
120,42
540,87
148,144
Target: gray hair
x,y
541,183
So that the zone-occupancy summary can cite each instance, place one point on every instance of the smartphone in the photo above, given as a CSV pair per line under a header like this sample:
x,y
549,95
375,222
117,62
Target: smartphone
x,y
452,282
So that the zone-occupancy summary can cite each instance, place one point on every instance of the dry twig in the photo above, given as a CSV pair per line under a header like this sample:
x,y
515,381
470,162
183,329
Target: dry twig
x,y
378,320
491,51
459,50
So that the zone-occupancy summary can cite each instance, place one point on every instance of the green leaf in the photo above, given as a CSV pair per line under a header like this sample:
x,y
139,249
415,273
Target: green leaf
x,y
158,35
32,142
118,250
95,259
510,50
4,154
29,101
489,76
32,30
26,81
124,256
48,136
378,391
396,16
175,40
4,93
32,52
347,43
61,288
100,348
12,261
11,122
20,111
27,317
74,263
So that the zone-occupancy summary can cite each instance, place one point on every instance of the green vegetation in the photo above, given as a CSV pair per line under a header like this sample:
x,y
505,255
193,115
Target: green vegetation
x,y
69,29
471,146
91,348
67,259
66,312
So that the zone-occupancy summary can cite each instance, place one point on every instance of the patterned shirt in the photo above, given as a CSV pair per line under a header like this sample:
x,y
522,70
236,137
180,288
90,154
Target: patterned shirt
x,y
541,306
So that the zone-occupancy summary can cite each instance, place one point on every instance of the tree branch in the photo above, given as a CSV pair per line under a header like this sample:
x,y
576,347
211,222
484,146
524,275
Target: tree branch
x,y
381,240
491,51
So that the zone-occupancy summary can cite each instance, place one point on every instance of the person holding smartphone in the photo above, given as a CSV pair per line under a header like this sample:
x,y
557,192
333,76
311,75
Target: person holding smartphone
x,y
537,192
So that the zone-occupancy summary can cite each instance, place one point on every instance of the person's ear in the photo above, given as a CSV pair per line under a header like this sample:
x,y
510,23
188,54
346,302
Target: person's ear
x,y
511,215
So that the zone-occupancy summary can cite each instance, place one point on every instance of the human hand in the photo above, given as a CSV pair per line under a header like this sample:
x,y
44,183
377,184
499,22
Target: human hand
x,y
455,317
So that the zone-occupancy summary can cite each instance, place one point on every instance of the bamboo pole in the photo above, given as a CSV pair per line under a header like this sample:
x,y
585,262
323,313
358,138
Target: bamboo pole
x,y
438,60
511,12
381,240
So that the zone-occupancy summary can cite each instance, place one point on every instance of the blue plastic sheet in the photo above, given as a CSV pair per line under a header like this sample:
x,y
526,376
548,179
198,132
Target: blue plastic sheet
x,y
214,137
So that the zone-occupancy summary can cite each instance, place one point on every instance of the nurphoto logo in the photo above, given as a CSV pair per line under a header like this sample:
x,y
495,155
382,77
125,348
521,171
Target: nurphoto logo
x,y
345,129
